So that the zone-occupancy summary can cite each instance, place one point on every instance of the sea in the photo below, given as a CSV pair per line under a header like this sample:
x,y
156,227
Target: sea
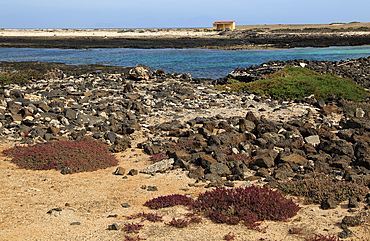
x,y
200,63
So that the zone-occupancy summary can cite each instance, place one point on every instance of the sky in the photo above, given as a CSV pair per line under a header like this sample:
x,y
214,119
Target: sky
x,y
176,13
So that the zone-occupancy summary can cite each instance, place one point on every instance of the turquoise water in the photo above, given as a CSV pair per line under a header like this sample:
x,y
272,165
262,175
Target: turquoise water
x,y
200,63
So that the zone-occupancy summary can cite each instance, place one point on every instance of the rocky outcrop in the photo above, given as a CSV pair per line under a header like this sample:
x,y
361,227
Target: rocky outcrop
x,y
355,69
214,135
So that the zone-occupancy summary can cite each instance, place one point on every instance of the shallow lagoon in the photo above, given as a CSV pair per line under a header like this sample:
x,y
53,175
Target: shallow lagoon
x,y
201,63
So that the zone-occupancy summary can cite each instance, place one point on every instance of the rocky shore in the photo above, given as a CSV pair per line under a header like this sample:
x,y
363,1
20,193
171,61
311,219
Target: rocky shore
x,y
197,127
164,107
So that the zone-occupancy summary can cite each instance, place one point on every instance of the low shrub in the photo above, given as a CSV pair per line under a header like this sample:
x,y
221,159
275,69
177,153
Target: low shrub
x,y
178,223
250,205
19,77
182,223
230,236
169,201
185,144
137,238
85,155
239,157
158,157
297,83
132,227
321,187
152,217
294,230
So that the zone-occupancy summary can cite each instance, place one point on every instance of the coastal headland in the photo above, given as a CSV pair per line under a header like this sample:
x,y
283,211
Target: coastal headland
x,y
244,37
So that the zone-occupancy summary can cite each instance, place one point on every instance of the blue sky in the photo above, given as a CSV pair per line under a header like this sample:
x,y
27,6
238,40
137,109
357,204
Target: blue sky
x,y
175,13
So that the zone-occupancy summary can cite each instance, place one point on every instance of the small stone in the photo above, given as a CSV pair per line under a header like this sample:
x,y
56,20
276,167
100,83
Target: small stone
x,y
54,209
161,166
133,172
112,216
125,205
346,233
143,187
314,140
315,209
66,170
352,203
328,204
114,226
351,221
152,188
360,113
75,223
119,171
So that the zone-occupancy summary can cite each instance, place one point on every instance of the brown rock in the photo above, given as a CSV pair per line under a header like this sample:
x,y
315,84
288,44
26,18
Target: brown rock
x,y
295,159
197,173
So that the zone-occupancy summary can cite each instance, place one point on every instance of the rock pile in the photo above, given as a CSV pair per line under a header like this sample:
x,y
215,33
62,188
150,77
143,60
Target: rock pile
x,y
355,69
214,135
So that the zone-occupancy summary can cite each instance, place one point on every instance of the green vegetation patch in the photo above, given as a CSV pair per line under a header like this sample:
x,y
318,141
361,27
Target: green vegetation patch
x,y
85,155
321,187
19,77
297,83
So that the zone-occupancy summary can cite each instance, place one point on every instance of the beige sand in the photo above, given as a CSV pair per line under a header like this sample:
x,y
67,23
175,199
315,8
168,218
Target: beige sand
x,y
184,32
26,197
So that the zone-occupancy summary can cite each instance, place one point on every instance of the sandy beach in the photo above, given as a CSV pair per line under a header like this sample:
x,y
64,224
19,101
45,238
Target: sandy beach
x,y
244,37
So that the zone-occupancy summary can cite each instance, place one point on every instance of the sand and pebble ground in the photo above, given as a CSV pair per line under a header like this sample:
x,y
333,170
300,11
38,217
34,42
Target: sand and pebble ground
x,y
162,107
46,205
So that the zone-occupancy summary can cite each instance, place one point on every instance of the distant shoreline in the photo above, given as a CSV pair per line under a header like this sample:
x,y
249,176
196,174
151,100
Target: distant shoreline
x,y
244,37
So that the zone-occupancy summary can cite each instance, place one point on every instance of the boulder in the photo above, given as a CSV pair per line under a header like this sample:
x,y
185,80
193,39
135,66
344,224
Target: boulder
x,y
265,158
197,173
161,166
120,144
141,72
219,169
329,204
295,159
